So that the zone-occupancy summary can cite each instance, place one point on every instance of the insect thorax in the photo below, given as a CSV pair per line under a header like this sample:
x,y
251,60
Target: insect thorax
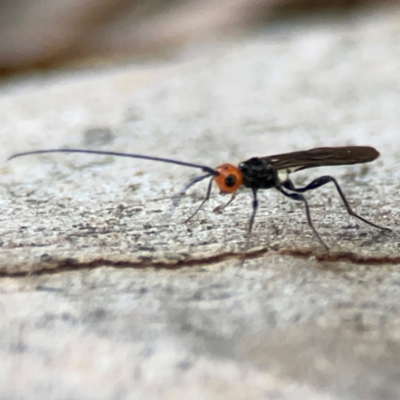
x,y
258,173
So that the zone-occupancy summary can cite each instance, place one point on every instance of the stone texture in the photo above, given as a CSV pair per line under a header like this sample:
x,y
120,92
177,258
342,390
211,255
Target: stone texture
x,y
38,34
103,296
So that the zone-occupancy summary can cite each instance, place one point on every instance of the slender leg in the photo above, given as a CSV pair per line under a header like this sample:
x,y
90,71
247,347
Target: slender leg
x,y
223,206
251,223
177,198
203,202
300,197
253,216
324,180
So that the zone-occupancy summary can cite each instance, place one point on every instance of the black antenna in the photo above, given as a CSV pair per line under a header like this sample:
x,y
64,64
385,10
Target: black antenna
x,y
204,168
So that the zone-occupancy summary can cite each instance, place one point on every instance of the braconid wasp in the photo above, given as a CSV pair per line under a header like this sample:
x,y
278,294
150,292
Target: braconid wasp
x,y
261,173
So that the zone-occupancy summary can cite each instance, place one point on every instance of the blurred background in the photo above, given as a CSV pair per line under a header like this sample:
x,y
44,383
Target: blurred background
x,y
43,34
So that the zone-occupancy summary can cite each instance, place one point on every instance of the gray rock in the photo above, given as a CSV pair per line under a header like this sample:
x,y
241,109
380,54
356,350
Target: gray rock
x,y
104,297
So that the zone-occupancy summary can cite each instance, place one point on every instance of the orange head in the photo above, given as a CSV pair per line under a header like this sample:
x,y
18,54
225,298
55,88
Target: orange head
x,y
229,178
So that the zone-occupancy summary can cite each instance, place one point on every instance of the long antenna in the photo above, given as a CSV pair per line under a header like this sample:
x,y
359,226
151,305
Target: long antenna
x,y
209,170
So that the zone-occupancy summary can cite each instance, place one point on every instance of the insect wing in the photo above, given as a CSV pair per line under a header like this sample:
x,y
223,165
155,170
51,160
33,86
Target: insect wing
x,y
322,156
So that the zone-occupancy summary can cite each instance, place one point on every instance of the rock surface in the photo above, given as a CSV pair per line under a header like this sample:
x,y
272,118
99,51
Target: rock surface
x,y
103,296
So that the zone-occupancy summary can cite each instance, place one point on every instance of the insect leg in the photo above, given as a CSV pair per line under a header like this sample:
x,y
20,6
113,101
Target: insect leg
x,y
253,216
177,198
324,180
203,202
223,206
251,223
300,197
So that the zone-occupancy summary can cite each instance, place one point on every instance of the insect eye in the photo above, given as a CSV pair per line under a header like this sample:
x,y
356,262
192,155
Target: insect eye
x,y
230,180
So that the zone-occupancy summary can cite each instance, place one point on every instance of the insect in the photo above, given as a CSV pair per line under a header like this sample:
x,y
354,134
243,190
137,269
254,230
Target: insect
x,y
261,173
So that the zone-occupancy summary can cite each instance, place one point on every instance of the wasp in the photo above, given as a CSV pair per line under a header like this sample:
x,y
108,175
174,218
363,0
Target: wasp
x,y
260,173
